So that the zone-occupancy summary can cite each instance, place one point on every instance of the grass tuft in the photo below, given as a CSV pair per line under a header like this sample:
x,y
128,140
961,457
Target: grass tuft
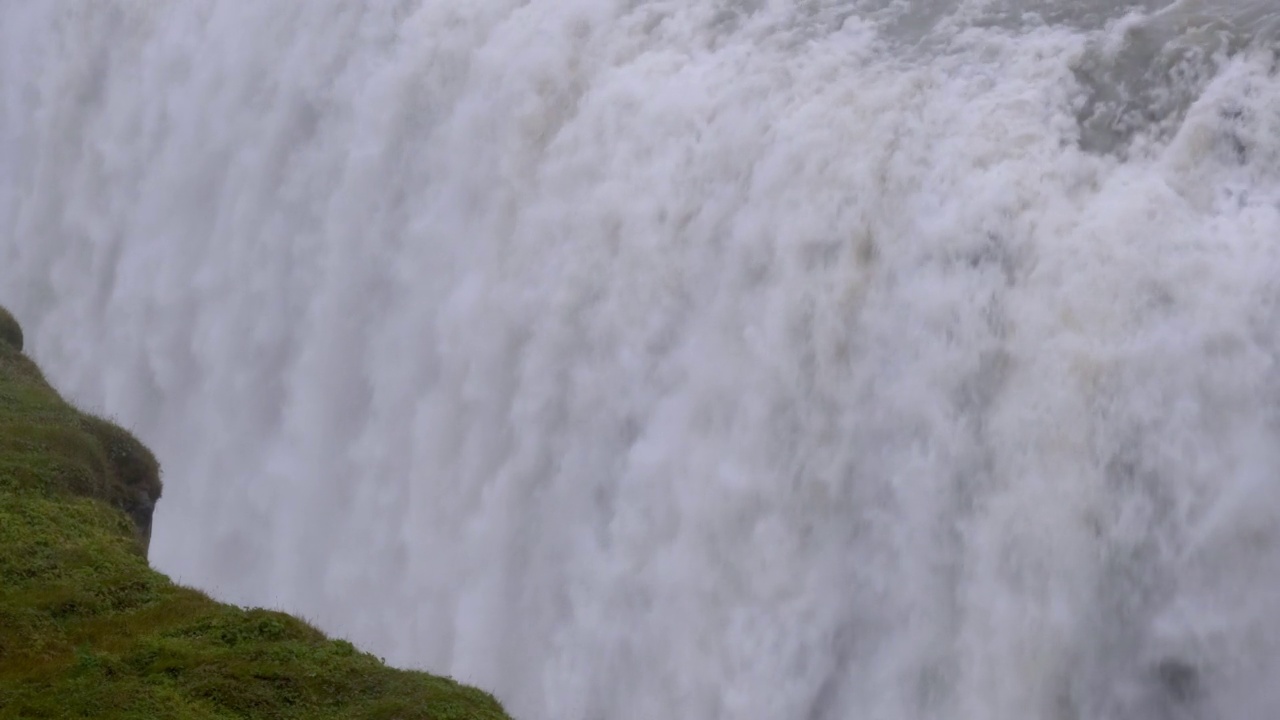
x,y
88,629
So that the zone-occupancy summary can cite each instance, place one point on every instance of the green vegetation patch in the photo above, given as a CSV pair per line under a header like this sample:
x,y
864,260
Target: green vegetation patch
x,y
89,630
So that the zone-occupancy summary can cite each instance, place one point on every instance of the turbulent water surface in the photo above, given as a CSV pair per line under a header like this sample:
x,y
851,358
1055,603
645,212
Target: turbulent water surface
x,y
638,359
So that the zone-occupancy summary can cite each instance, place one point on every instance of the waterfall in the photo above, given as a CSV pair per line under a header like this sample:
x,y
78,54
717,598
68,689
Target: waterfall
x,y
638,359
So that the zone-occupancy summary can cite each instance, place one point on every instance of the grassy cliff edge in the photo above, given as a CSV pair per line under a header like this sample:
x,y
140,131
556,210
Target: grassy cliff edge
x,y
88,629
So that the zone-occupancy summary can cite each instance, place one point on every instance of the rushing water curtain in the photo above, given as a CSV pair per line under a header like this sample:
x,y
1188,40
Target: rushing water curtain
x,y
711,359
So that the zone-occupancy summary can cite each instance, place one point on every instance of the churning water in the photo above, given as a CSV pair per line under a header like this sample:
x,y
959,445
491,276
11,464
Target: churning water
x,y
639,359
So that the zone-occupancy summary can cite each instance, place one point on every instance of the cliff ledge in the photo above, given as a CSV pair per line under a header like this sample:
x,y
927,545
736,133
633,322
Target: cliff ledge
x,y
88,629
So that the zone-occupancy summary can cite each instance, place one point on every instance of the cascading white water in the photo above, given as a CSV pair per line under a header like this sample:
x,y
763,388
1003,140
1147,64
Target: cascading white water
x,y
702,359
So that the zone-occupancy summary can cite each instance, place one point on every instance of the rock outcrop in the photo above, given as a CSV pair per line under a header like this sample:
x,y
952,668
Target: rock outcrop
x,y
89,629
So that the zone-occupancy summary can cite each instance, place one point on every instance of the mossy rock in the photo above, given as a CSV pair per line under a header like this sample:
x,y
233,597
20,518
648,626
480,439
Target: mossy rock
x,y
132,465
78,453
10,330
88,629
133,474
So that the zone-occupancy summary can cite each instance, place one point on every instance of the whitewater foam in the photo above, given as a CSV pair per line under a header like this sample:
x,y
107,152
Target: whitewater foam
x,y
700,359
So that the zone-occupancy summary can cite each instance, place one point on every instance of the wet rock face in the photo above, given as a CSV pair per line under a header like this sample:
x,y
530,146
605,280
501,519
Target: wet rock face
x,y
10,330
140,510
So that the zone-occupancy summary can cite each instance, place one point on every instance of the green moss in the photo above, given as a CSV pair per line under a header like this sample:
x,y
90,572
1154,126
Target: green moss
x,y
88,629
